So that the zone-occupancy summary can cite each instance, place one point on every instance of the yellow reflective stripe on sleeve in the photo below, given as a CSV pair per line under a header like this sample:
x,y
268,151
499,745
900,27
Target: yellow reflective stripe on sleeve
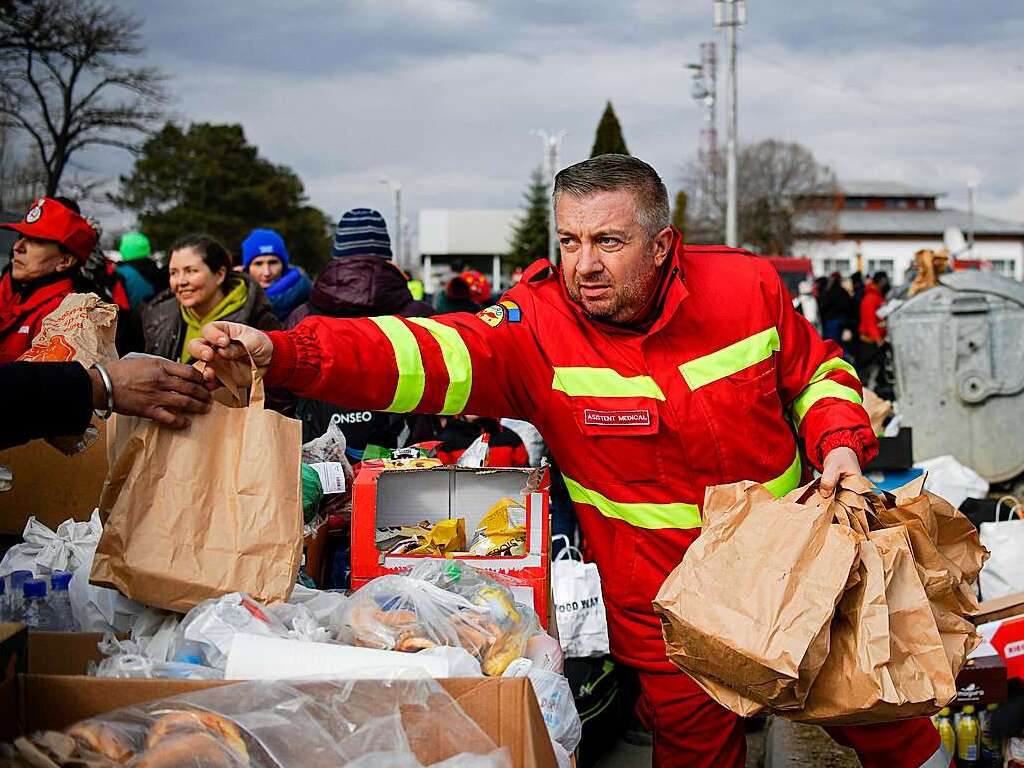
x,y
456,360
673,515
819,387
788,480
731,359
603,382
411,378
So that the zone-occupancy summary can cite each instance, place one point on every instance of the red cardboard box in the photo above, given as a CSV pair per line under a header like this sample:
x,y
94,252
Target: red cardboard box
x,y
398,495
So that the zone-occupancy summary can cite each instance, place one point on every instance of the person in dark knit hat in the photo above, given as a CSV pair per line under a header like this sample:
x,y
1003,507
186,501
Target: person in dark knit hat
x,y
265,258
362,232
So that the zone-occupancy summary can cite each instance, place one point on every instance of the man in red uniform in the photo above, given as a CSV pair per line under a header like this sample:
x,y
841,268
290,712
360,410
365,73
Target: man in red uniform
x,y
653,369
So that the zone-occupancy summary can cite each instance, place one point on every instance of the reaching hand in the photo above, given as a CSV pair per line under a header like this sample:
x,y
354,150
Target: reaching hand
x,y
155,388
839,463
226,347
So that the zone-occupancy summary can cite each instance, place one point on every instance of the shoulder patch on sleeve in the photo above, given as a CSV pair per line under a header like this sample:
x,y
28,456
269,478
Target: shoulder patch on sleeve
x,y
505,310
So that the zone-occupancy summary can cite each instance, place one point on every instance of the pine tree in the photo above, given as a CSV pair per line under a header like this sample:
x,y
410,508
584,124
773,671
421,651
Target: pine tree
x,y
609,135
530,239
679,212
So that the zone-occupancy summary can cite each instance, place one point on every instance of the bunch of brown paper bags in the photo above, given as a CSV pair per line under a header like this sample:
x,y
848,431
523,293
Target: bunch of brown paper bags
x,y
842,610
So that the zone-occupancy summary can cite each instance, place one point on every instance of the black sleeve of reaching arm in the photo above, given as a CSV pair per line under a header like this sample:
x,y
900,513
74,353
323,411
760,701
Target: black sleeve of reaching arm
x,y
43,400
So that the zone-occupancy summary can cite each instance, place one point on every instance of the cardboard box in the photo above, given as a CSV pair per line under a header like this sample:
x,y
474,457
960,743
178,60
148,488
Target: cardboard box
x,y
314,552
387,497
49,698
1003,607
1007,637
982,681
50,485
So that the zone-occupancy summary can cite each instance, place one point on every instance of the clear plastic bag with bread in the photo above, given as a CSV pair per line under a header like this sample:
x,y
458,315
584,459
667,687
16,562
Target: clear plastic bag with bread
x,y
897,634
260,724
440,602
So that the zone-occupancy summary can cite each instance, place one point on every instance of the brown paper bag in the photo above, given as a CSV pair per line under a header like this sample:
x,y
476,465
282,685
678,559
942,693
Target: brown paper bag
x,y
752,601
212,509
878,410
81,329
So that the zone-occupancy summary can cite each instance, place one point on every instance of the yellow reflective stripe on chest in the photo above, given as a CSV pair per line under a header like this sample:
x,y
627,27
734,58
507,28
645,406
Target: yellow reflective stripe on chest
x,y
678,514
603,382
819,387
408,360
456,360
731,359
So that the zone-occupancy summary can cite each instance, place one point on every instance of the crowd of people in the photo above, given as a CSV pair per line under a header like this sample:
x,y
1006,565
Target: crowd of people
x,y
163,307
653,368
847,312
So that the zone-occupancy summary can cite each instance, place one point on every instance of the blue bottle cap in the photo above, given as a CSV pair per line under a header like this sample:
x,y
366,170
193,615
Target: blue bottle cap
x,y
34,588
59,580
20,577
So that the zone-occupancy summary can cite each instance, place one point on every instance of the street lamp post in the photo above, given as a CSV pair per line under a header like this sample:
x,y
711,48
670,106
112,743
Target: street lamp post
x,y
731,14
552,144
397,189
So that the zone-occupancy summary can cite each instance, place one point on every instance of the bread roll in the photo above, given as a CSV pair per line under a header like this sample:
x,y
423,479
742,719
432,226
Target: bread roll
x,y
103,739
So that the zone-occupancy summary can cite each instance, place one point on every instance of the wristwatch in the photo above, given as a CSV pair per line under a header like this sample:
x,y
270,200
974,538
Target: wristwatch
x,y
105,414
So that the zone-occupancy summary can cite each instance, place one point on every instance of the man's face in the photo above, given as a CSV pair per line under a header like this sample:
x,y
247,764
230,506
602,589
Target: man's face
x,y
610,267
34,259
266,269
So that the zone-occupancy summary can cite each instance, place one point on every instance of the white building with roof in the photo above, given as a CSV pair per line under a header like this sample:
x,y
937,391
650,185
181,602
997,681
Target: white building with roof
x,y
879,226
478,238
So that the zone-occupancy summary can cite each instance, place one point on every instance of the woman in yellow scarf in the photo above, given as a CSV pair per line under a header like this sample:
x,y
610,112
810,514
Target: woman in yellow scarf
x,y
203,288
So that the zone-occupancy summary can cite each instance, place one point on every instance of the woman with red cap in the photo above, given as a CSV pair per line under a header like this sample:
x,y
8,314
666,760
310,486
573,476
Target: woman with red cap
x,y
54,242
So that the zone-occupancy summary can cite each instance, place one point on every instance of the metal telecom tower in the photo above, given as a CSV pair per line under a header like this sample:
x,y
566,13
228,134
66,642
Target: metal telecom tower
x,y
552,145
704,89
730,14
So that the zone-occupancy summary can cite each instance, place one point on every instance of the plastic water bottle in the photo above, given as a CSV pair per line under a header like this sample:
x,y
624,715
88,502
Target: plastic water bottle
x,y
34,611
16,595
4,611
968,740
946,731
991,746
61,617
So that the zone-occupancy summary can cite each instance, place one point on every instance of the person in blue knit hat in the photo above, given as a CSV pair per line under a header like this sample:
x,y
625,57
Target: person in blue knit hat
x,y
265,258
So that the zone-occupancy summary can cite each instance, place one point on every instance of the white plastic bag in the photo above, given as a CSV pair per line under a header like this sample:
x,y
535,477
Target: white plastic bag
x,y
476,455
579,604
558,707
951,480
45,550
1003,573
207,631
98,609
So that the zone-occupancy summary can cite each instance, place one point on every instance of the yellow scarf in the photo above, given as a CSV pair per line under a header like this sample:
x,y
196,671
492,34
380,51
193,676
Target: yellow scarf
x,y
233,301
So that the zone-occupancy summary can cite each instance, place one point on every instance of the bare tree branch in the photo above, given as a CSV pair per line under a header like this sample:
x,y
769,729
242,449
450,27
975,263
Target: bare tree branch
x,y
67,79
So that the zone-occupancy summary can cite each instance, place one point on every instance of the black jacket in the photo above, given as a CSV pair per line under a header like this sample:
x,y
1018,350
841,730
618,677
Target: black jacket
x,y
43,400
164,329
361,286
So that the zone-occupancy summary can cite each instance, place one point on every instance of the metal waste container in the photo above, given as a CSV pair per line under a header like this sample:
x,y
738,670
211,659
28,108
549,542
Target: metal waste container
x,y
958,351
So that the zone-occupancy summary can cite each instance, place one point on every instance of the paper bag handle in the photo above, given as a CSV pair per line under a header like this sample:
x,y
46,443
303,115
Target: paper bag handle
x,y
257,392
1014,506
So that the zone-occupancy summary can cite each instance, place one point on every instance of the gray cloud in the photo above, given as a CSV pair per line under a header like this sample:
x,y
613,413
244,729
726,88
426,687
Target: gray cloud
x,y
442,94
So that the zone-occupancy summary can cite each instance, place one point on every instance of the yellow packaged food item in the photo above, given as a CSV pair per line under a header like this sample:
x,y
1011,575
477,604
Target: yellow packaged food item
x,y
502,531
446,536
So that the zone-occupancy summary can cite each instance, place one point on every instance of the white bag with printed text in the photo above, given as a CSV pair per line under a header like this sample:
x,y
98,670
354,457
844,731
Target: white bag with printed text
x,y
579,604
1003,573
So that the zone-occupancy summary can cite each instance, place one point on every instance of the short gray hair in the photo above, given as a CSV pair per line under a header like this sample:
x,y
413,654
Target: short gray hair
x,y
610,173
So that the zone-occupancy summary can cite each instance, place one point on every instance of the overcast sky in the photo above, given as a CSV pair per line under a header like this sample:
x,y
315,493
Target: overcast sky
x,y
441,95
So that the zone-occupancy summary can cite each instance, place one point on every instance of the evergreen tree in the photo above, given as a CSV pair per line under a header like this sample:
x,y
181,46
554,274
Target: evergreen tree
x,y
530,239
609,135
679,212
208,178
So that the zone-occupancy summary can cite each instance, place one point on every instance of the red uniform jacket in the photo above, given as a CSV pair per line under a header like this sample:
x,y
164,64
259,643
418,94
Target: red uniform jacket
x,y
21,315
870,330
715,391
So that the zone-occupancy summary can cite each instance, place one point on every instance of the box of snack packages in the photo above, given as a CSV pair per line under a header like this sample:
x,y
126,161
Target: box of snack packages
x,y
494,518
